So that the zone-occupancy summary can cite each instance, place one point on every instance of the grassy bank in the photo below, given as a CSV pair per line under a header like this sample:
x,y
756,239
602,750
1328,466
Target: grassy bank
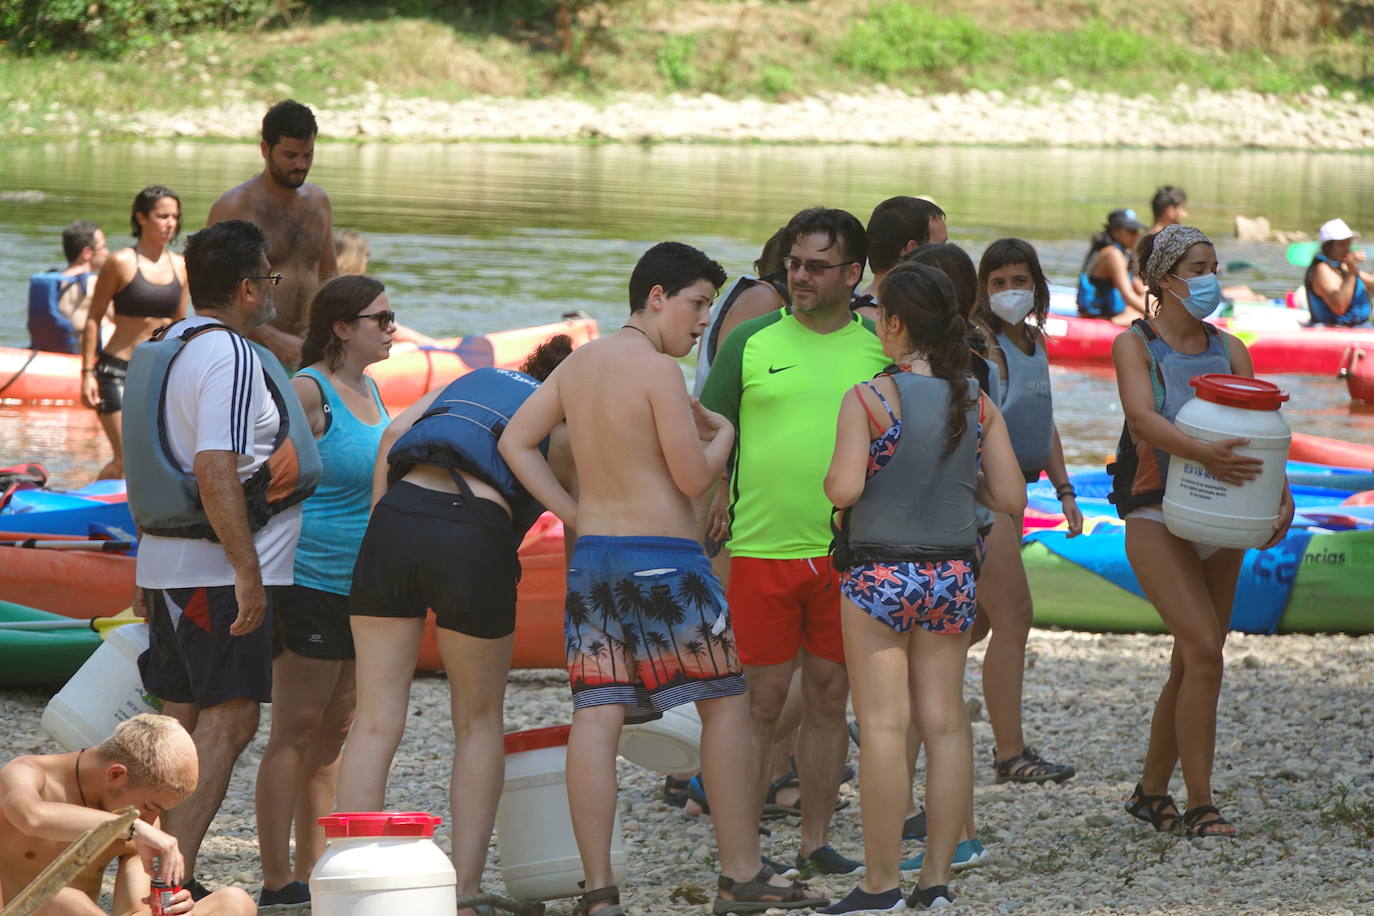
x,y
775,49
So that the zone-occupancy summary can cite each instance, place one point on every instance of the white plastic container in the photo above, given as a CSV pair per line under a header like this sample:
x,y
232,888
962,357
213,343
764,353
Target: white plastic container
x,y
382,863
105,691
1199,507
534,834
671,744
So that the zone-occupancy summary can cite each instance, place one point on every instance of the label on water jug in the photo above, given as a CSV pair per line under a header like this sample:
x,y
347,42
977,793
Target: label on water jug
x,y
1198,483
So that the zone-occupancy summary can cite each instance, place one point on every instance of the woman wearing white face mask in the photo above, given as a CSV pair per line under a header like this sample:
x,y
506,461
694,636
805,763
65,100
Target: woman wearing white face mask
x,y
1012,288
1191,585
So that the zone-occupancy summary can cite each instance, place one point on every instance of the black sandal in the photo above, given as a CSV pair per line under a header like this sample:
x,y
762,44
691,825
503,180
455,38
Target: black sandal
x,y
1029,766
757,895
590,899
1198,828
675,791
1152,809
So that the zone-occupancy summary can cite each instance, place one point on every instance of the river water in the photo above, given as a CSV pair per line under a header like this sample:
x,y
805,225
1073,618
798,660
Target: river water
x,y
480,237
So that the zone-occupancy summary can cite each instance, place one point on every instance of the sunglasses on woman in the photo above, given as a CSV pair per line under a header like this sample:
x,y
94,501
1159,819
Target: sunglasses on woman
x,y
383,319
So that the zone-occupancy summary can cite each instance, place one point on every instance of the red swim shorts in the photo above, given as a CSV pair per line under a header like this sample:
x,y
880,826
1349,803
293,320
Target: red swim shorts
x,y
780,606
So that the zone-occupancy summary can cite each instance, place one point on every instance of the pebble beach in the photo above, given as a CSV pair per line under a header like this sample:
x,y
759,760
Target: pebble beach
x,y
1057,115
1295,771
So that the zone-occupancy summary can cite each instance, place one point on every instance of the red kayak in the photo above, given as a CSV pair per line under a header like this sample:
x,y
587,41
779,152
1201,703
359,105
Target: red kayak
x,y
40,378
87,583
1313,351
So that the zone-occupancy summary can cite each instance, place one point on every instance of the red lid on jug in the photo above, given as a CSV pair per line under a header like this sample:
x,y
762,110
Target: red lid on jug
x,y
536,739
1238,391
380,823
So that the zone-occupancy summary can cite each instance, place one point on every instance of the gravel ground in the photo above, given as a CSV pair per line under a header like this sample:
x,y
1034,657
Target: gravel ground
x,y
1295,770
1057,115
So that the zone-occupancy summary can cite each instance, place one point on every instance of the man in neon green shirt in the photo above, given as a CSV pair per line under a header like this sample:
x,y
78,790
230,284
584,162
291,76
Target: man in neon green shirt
x,y
779,378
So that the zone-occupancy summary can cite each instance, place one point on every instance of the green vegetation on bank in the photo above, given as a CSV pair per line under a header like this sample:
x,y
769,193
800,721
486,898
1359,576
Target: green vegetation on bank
x,y
75,56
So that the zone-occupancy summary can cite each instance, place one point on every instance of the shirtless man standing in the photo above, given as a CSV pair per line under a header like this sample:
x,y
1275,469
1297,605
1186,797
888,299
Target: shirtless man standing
x,y
297,218
47,801
643,452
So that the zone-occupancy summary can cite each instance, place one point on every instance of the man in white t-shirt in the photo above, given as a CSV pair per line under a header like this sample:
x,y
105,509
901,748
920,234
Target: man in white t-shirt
x,y
209,601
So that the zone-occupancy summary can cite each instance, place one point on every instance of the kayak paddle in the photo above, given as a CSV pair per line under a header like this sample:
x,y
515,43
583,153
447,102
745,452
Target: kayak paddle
x,y
102,546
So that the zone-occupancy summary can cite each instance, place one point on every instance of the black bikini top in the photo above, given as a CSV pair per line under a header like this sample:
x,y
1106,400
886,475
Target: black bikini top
x,y
141,299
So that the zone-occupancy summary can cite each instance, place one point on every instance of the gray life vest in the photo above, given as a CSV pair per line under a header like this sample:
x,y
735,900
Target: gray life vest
x,y
164,499
1028,406
919,506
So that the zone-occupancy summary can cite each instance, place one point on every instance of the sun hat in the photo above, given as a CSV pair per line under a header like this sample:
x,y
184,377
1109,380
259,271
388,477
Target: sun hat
x,y
1336,230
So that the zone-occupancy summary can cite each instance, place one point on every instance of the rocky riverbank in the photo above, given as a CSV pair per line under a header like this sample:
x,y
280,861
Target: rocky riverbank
x,y
1060,115
1293,770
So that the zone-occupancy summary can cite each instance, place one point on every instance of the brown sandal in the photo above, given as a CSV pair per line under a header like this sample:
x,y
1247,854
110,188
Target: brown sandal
x,y
757,895
610,894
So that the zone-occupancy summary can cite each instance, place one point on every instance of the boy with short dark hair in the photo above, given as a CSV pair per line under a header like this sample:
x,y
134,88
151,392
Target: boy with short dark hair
x,y
639,585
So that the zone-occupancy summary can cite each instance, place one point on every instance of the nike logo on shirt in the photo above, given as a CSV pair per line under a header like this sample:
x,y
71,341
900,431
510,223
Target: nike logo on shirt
x,y
772,371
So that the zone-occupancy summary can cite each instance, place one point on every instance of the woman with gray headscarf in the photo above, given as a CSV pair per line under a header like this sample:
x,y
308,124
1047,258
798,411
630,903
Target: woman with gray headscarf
x,y
1191,585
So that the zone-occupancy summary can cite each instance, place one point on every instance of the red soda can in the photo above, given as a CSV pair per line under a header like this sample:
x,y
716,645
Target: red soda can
x,y
161,898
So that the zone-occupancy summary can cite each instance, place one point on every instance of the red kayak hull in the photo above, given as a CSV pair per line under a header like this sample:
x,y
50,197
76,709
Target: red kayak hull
x,y
39,378
1311,351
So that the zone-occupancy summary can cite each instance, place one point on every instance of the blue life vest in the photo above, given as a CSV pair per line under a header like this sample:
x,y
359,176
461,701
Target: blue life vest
x,y
460,431
1359,310
1098,297
49,329
164,499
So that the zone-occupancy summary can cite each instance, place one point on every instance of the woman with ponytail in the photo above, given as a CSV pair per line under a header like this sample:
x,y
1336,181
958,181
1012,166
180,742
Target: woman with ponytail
x,y
914,448
350,327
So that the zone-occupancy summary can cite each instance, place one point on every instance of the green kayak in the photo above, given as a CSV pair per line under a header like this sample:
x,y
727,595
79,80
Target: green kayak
x,y
38,649
1312,582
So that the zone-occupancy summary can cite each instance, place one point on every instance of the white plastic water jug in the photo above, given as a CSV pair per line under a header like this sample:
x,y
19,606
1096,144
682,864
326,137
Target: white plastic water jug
x,y
534,834
382,863
105,691
671,744
1199,507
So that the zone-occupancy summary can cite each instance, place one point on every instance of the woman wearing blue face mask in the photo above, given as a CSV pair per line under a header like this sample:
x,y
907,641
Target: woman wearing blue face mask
x,y
1191,585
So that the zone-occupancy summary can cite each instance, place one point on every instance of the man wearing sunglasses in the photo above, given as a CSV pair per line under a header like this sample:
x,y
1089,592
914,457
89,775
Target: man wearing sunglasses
x,y
296,217
779,379
219,457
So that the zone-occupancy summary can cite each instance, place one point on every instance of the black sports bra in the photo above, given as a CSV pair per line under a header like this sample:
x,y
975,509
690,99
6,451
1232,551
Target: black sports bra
x,y
141,299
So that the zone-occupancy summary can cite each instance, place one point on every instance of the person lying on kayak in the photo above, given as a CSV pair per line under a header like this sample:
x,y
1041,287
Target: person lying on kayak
x,y
1337,289
1107,284
49,800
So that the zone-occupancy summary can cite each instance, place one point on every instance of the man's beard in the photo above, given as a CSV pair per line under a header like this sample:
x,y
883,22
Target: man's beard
x,y
264,314
285,180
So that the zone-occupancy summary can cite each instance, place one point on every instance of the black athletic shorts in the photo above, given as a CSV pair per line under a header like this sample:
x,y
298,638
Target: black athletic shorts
x,y
430,549
314,623
110,373
191,657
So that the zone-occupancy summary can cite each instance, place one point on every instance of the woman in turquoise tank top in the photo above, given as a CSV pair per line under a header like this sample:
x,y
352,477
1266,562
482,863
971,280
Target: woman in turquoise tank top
x,y
350,327
1191,585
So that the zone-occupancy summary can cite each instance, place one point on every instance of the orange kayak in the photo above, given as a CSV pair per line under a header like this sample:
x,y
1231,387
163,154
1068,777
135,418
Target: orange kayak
x,y
85,584
40,378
